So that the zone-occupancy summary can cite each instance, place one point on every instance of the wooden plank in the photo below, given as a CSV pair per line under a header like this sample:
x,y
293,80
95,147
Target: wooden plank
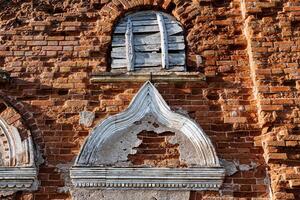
x,y
173,28
129,46
147,39
154,59
145,48
137,48
148,22
139,17
142,58
176,46
151,60
138,29
118,41
177,58
148,59
163,41
119,63
144,15
144,39
120,52
139,23
156,47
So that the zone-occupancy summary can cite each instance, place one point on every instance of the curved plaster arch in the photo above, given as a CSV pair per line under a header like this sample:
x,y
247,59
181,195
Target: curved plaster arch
x,y
19,153
17,170
149,101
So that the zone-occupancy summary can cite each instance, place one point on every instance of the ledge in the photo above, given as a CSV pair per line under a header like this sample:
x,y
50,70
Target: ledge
x,y
110,77
201,178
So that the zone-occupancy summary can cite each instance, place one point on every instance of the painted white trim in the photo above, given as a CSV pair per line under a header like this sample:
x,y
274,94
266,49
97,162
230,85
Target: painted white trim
x,y
147,101
129,46
163,41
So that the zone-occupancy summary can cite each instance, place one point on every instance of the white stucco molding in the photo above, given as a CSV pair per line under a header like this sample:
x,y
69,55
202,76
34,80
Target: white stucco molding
x,y
17,168
148,101
148,178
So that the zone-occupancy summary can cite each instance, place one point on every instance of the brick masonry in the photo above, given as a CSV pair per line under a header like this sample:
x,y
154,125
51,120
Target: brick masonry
x,y
248,105
156,151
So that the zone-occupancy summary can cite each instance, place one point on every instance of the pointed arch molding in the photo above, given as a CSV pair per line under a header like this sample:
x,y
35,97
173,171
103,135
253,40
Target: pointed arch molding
x,y
17,168
206,175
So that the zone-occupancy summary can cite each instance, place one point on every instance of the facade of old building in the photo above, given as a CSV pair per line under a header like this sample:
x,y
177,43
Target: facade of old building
x,y
150,99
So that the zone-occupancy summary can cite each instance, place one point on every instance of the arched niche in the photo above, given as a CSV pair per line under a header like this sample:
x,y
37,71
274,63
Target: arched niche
x,y
17,165
104,162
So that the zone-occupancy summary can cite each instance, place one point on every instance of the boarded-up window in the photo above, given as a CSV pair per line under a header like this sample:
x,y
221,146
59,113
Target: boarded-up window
x,y
148,41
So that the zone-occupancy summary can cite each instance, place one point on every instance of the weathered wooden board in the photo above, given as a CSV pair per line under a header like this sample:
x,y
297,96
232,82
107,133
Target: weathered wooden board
x,y
150,28
150,59
147,48
139,23
174,29
143,16
158,68
147,22
119,41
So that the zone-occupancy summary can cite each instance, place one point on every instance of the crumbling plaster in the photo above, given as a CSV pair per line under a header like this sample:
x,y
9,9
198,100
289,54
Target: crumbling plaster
x,y
116,150
83,194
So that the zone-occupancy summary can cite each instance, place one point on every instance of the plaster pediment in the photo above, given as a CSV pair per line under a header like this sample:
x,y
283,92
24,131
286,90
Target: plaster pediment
x,y
91,168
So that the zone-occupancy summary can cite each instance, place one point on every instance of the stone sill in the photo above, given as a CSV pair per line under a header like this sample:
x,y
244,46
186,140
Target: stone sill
x,y
18,178
110,77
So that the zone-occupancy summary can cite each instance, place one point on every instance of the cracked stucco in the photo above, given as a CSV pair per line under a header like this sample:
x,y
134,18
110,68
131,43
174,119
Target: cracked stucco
x,y
115,151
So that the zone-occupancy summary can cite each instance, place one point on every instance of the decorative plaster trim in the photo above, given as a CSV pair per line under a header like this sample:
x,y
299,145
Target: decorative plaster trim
x,y
17,178
148,178
19,171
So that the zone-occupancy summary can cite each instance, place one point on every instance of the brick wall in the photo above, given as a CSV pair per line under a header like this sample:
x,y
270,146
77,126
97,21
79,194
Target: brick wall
x,y
155,150
248,105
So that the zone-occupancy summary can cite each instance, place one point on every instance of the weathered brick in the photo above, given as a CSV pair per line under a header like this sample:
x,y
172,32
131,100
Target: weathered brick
x,y
68,43
248,104
36,43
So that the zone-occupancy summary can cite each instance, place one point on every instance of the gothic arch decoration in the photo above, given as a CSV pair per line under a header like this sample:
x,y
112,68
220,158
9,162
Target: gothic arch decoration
x,y
95,166
17,167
